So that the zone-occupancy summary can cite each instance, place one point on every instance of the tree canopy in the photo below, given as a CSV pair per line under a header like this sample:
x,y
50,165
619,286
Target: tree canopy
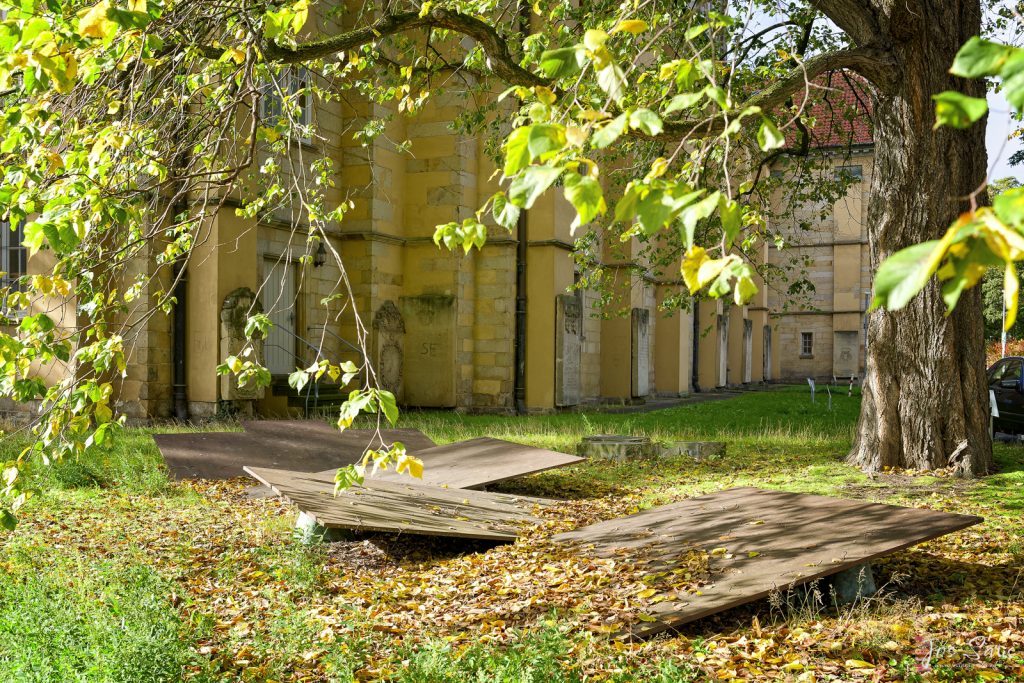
x,y
127,125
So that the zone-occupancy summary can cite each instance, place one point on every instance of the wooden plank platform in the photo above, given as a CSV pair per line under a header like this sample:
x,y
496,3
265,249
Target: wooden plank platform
x,y
758,542
303,446
403,507
478,462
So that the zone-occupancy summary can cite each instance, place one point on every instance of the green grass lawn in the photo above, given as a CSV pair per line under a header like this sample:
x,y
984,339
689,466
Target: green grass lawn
x,y
117,574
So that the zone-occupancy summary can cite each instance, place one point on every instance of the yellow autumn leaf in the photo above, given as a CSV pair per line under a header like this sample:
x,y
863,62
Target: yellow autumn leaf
x,y
575,135
93,22
710,269
137,5
1011,288
694,259
633,26
719,551
646,593
411,464
646,617
859,664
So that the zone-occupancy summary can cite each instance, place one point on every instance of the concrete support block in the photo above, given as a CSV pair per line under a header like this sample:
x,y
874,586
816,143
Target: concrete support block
x,y
853,584
614,447
308,531
698,450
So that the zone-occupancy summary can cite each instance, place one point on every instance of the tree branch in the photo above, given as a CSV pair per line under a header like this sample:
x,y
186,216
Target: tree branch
x,y
855,17
878,66
499,57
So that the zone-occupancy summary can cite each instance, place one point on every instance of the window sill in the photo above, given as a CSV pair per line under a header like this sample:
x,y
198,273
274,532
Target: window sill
x,y
806,356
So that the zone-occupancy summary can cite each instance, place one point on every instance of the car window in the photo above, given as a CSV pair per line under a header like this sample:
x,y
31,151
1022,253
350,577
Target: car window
x,y
997,371
1012,370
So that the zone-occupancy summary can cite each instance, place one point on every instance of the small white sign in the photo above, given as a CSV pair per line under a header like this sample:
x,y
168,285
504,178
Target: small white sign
x,y
992,403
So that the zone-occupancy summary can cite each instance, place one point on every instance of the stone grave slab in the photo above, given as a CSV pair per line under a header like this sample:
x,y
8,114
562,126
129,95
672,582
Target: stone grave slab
x,y
641,352
428,372
846,354
475,463
403,507
300,445
758,542
568,349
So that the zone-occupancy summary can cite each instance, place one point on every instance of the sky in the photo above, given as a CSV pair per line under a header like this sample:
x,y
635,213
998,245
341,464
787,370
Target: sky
x,y
999,151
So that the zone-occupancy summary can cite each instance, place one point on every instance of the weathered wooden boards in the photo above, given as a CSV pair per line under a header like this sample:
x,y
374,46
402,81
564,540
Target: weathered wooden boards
x,y
300,445
478,462
759,542
403,507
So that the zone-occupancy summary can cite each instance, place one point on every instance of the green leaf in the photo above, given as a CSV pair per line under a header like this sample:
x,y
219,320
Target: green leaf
x,y
298,380
653,211
586,196
545,138
505,213
517,151
610,132
388,405
646,121
903,275
695,213
979,57
957,110
684,101
718,95
560,63
531,184
695,31
1013,80
731,213
612,80
8,520
769,137
1009,207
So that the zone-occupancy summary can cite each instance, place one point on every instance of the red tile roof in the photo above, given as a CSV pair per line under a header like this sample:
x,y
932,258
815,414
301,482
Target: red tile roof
x,y
840,104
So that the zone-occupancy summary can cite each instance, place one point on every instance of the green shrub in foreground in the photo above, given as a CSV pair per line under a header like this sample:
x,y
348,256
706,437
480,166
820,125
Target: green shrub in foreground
x,y
90,623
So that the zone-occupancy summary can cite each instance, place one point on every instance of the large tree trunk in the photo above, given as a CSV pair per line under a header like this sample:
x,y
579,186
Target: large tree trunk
x,y
925,402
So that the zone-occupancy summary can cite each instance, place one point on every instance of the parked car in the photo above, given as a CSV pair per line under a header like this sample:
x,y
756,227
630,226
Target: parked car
x,y
1006,381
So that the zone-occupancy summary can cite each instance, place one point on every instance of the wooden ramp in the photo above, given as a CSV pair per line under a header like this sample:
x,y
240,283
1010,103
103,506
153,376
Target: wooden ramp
x,y
478,462
758,542
403,507
299,445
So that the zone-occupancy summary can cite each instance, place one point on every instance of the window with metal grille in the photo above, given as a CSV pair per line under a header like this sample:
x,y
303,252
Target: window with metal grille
x,y
290,86
806,343
13,257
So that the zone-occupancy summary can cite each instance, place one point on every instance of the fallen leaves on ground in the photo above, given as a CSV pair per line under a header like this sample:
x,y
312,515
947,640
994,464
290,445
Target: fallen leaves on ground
x,y
954,608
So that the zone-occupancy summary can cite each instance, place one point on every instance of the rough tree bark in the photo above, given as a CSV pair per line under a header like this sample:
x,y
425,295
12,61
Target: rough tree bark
x,y
925,399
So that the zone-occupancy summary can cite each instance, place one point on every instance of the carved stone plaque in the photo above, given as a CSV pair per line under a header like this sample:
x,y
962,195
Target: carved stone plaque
x,y
234,312
428,375
568,349
846,354
641,356
389,345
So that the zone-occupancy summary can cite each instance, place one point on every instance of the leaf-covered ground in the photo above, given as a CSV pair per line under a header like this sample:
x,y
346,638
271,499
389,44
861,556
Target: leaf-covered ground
x,y
120,559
